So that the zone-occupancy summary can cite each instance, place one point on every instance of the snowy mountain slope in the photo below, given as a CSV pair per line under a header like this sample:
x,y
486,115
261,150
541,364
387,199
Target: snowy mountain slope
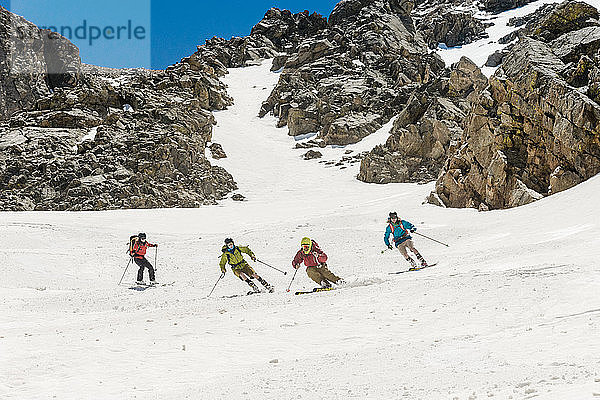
x,y
511,311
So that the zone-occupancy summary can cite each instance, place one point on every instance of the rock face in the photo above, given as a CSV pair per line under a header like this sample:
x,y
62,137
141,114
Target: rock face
x,y
353,76
32,62
276,35
426,130
450,27
529,133
78,137
497,6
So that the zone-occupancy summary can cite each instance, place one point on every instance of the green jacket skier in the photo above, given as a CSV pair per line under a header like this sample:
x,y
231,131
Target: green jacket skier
x,y
232,255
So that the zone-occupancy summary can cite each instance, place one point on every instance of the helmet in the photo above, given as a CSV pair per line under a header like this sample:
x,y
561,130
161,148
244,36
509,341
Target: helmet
x,y
228,240
306,245
142,236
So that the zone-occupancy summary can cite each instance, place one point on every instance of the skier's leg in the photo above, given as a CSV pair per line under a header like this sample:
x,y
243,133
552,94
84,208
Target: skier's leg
x,y
314,274
327,274
411,246
402,248
140,274
150,270
324,281
240,274
263,282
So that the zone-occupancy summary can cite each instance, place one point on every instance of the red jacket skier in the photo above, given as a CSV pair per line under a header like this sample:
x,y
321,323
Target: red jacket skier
x,y
138,252
314,258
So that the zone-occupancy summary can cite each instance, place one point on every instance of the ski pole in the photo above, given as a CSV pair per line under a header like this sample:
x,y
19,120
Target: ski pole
x,y
437,241
213,289
283,272
129,262
155,259
290,285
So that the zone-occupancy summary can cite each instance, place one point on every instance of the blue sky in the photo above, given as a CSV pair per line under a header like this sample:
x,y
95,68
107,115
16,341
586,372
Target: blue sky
x,y
166,30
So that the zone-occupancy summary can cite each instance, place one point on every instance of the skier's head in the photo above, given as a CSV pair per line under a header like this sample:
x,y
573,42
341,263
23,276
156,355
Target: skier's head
x,y
229,243
393,217
306,245
142,236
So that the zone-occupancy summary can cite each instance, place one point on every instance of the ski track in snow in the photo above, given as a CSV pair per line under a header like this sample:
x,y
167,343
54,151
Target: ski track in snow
x,y
510,311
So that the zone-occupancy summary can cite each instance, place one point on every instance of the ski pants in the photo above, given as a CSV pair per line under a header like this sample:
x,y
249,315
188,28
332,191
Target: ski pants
x,y
245,268
408,244
320,273
143,263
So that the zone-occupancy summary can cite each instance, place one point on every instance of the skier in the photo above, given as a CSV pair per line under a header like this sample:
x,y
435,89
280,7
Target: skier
x,y
399,230
314,258
232,254
138,249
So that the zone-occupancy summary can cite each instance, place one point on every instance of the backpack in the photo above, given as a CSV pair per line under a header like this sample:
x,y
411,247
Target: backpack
x,y
132,240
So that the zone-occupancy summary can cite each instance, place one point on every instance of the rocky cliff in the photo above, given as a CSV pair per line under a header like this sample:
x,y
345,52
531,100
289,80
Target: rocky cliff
x,y
277,35
426,130
534,129
78,137
355,74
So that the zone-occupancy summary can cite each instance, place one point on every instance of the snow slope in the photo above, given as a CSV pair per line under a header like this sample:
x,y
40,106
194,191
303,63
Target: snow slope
x,y
511,311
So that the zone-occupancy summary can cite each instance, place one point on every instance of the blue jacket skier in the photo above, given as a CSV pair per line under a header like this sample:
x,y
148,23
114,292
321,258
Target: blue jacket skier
x,y
400,231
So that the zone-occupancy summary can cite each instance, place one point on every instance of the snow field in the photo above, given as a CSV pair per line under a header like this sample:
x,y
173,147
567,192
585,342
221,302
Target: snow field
x,y
510,311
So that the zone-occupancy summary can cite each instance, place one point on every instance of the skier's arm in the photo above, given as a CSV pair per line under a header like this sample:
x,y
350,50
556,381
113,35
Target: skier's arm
x,y
386,237
246,249
408,226
297,260
316,248
223,262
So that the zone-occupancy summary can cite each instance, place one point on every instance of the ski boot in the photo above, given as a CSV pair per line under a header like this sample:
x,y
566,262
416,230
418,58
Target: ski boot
x,y
325,284
140,283
422,260
267,286
253,286
152,283
413,264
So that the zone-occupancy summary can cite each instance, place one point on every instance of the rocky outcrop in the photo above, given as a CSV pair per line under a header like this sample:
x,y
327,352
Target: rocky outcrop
x,y
426,130
32,63
529,134
354,75
498,6
450,27
79,137
278,34
550,21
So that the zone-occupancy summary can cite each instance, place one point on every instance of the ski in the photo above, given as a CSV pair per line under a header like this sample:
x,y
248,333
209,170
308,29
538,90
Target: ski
x,y
240,295
412,270
318,289
149,285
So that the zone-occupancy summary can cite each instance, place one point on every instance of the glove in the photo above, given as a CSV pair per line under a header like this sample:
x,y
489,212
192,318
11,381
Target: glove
x,y
413,229
296,266
223,273
253,258
390,247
